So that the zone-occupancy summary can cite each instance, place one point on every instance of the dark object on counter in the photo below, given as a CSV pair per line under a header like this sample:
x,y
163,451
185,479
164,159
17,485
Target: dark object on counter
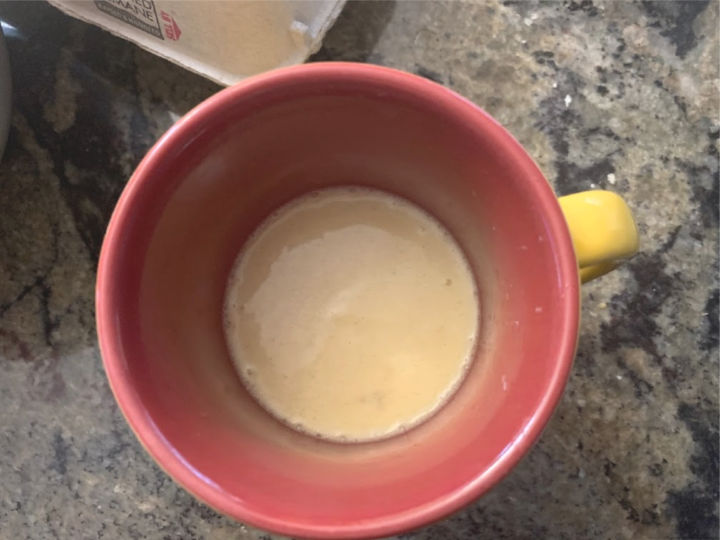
x,y
5,93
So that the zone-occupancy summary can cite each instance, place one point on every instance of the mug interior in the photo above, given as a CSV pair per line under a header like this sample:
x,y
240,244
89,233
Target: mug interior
x,y
203,189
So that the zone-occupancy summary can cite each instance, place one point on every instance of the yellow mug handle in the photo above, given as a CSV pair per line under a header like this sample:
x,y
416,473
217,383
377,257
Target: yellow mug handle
x,y
602,228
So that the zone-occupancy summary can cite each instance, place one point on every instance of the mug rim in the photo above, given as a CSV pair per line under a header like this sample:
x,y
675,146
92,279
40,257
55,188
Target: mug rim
x,y
107,298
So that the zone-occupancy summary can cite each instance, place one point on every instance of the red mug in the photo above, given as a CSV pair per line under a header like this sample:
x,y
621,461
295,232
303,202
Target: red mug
x,y
223,168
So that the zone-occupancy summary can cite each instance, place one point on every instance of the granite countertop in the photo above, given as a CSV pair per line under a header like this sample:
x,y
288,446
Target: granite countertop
x,y
626,99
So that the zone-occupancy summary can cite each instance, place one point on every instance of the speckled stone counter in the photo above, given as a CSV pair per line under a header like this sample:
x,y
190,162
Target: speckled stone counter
x,y
626,99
